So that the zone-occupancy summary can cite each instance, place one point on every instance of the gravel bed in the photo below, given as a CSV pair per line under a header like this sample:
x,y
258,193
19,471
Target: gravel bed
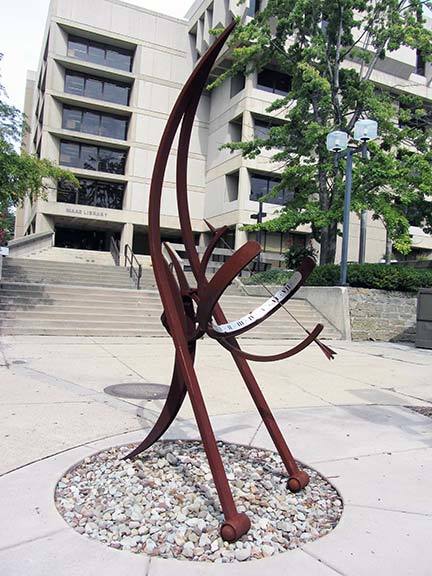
x,y
165,504
425,410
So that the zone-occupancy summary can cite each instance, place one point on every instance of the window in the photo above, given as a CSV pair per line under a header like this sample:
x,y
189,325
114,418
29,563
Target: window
x,y
97,123
262,128
98,88
238,84
232,186
92,157
92,193
262,185
235,130
274,82
255,7
420,64
102,54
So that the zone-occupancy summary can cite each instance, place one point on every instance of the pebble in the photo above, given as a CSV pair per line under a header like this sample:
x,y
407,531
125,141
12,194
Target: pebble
x,y
165,503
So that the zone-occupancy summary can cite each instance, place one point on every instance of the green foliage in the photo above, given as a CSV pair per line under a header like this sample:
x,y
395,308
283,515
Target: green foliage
x,y
21,174
316,43
296,254
378,276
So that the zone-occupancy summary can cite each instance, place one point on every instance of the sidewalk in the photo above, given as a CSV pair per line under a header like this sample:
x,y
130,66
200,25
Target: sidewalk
x,y
348,419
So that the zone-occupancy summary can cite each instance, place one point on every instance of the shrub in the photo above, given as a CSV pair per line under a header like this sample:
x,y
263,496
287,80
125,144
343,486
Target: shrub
x,y
295,255
379,276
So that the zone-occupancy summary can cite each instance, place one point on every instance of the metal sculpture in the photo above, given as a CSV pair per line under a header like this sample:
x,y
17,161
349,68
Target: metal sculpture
x,y
190,313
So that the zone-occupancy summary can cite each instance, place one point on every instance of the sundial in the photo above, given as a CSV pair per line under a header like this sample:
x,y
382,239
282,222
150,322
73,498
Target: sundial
x,y
192,312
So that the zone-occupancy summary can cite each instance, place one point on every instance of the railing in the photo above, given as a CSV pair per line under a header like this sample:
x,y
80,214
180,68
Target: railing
x,y
135,268
115,250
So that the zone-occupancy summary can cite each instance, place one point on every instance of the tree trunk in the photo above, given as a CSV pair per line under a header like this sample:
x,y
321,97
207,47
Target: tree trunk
x,y
389,249
328,244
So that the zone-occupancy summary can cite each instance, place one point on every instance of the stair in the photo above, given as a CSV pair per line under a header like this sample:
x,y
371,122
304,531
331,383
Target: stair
x,y
27,271
68,299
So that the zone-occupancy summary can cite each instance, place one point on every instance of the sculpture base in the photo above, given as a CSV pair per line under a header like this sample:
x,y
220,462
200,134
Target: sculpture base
x,y
164,503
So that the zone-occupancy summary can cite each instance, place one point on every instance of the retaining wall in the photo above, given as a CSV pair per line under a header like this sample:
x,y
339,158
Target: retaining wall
x,y
382,315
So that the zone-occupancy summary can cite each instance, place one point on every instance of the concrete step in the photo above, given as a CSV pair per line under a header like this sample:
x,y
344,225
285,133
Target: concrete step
x,y
28,263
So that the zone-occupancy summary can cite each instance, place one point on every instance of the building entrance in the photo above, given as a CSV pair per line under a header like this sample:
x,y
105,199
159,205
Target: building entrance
x,y
82,239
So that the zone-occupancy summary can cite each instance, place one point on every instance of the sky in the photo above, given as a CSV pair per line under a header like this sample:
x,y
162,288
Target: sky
x,y
22,27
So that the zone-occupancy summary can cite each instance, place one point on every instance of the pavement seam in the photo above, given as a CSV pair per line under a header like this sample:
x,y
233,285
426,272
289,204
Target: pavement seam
x,y
83,445
370,455
256,432
325,563
119,360
383,509
31,540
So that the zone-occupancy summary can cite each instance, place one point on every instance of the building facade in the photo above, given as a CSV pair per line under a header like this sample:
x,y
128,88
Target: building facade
x,y
108,77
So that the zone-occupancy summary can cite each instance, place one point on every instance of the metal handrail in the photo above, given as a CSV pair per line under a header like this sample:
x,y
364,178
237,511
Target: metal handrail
x,y
135,270
115,250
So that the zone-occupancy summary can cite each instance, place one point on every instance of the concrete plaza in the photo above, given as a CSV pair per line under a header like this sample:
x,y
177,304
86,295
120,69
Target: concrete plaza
x,y
348,419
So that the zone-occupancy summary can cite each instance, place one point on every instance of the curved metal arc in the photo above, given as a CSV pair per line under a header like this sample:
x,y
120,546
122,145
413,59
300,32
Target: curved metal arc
x,y
173,403
272,305
181,277
238,352
217,235
210,293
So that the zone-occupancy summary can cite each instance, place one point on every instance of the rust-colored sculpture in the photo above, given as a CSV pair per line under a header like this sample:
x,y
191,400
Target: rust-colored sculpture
x,y
189,313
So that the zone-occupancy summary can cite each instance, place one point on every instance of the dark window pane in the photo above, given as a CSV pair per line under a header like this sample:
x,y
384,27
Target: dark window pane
x,y
77,48
69,154
262,129
274,82
116,92
238,83
74,84
91,122
72,119
118,58
66,192
89,156
96,54
112,161
259,187
262,185
112,127
93,88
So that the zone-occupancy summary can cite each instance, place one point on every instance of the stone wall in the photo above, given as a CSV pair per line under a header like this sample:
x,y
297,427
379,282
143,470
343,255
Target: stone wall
x,y
382,315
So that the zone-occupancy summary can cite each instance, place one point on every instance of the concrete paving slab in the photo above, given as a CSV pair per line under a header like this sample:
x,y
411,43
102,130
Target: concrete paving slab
x,y
325,434
69,554
293,562
390,481
369,542
27,500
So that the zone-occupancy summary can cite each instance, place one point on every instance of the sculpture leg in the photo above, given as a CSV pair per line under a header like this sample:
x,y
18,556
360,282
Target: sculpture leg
x,y
236,524
298,479
173,403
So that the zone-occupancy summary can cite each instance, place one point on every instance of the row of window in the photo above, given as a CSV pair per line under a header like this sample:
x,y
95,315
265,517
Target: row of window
x,y
90,157
99,53
98,123
268,80
97,88
261,185
92,193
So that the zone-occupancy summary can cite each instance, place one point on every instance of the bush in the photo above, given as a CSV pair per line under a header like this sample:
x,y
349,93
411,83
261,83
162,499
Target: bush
x,y
295,255
378,276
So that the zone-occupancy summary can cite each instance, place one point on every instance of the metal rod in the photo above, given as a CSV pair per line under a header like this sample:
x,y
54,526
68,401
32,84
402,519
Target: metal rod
x,y
346,218
362,243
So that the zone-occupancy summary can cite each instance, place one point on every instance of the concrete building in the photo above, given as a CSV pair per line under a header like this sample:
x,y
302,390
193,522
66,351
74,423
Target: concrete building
x,y
108,77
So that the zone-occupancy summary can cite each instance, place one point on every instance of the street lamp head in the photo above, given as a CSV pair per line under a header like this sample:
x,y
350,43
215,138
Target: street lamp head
x,y
365,130
337,141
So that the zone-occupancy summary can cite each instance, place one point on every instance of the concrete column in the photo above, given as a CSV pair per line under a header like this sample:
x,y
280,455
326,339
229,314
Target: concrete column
x,y
247,126
44,223
126,238
241,237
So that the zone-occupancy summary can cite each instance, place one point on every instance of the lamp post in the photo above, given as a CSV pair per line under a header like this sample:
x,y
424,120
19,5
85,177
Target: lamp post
x,y
337,141
259,218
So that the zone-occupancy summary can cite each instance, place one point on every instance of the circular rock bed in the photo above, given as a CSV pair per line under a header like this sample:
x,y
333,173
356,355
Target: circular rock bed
x,y
165,503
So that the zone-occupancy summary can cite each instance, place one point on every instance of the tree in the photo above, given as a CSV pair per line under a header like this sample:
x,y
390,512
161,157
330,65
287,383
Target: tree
x,y
21,174
330,50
